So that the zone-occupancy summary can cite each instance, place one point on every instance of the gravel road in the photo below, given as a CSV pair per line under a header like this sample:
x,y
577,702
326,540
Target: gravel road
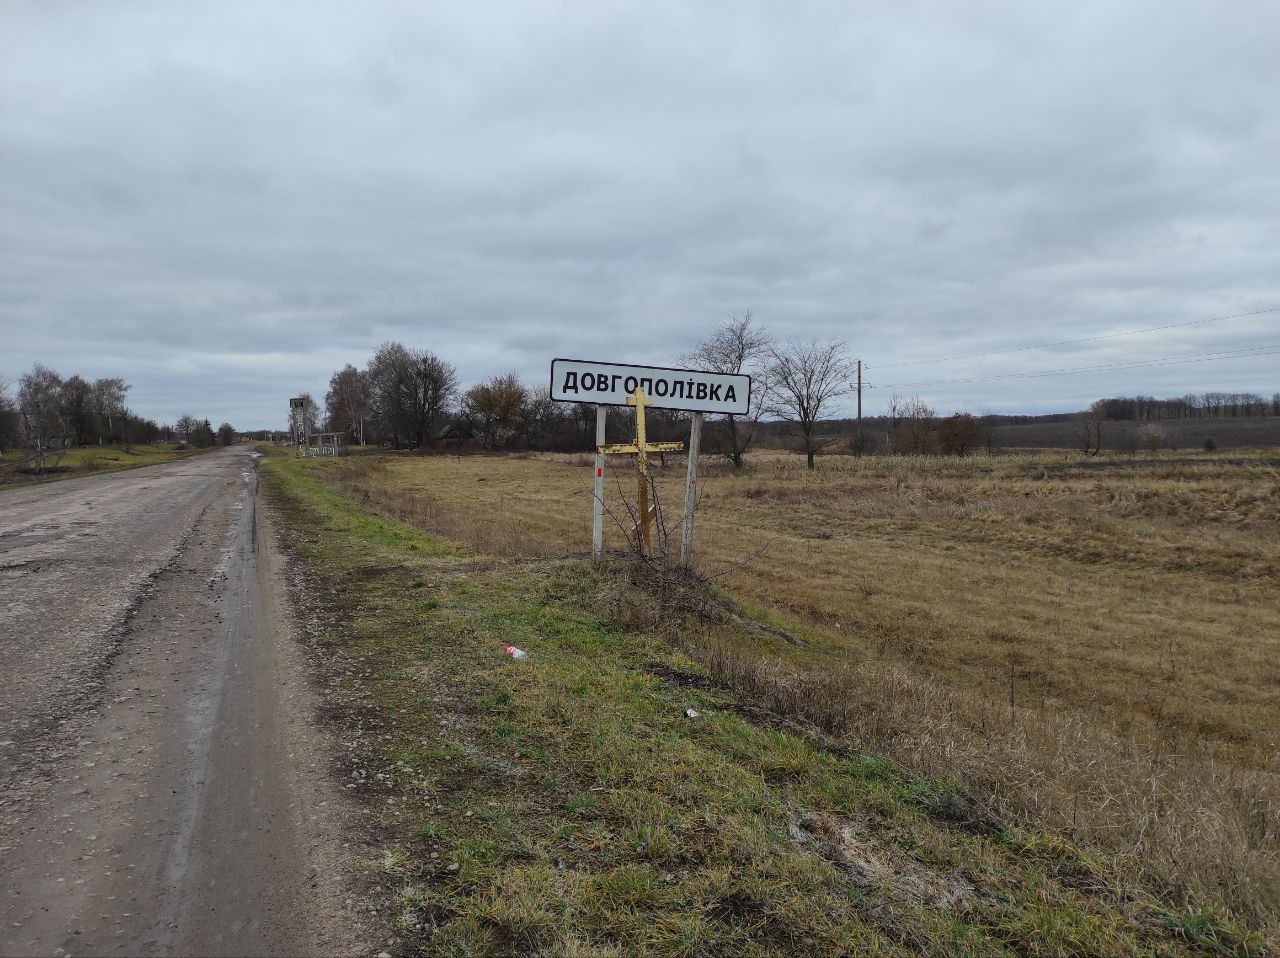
x,y
163,787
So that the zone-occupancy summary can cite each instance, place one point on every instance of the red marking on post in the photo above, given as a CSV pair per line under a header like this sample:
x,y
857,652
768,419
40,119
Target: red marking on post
x,y
599,472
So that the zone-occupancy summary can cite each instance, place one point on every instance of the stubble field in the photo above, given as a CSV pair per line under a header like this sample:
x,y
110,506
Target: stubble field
x,y
1090,643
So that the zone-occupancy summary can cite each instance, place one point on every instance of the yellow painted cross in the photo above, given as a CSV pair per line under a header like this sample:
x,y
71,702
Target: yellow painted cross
x,y
640,448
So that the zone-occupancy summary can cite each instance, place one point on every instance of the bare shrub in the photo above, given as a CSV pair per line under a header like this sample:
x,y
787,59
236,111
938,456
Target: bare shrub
x,y
1154,437
1088,431
959,434
910,425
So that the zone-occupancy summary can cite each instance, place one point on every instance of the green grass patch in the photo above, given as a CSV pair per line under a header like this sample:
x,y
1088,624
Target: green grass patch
x,y
565,805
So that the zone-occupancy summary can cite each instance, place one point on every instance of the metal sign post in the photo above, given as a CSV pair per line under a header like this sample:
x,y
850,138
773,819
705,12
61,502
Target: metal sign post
x,y
597,509
690,491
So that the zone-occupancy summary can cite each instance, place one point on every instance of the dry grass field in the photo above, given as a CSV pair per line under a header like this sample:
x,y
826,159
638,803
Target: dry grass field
x,y
1092,643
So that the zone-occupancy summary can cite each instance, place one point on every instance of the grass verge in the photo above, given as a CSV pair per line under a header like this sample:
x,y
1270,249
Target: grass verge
x,y
566,804
17,466
1087,644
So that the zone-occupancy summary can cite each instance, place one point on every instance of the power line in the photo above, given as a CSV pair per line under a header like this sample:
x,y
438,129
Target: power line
x,y
1171,361
1084,339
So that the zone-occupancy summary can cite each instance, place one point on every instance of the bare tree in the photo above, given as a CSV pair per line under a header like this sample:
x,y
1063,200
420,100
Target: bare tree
x,y
918,432
496,409
911,424
1099,416
543,418
347,402
43,421
435,384
1088,433
9,418
108,404
736,346
409,391
79,409
989,422
226,434
895,415
806,377
389,377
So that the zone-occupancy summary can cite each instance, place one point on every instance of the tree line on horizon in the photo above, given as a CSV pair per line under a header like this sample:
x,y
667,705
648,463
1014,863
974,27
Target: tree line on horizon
x,y
411,398
47,414
1208,405
406,397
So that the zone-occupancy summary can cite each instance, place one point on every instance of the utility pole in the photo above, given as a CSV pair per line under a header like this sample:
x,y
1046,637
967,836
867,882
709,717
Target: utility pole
x,y
858,438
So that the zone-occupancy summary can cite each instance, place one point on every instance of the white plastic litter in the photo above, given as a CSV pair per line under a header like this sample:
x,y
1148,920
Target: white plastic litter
x,y
692,713
515,653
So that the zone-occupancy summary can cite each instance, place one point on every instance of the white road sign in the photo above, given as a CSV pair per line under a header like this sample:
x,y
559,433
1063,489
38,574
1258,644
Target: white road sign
x,y
609,384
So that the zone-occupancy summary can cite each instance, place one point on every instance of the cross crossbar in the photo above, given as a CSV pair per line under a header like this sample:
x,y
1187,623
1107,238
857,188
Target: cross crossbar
x,y
619,448
640,448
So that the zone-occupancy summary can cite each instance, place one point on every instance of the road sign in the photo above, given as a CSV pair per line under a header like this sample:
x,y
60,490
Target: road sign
x,y
613,384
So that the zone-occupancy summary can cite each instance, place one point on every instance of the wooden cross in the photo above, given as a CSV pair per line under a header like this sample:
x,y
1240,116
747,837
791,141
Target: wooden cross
x,y
640,448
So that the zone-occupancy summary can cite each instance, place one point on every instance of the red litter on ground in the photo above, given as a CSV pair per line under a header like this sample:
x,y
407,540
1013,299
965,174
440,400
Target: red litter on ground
x,y
515,653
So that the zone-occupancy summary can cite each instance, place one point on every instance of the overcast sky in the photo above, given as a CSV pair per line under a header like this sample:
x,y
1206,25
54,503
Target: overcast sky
x,y
224,202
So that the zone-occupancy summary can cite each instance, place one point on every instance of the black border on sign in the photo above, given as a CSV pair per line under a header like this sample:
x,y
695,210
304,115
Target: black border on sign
x,y
673,369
